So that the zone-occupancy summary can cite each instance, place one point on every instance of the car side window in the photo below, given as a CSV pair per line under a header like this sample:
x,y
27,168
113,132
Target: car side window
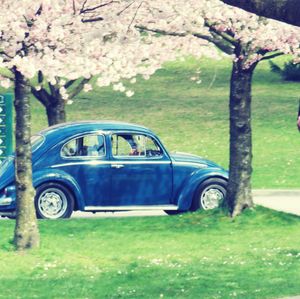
x,y
91,145
131,145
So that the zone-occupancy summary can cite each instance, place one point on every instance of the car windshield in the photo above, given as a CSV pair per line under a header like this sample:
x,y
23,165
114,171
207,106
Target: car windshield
x,y
36,141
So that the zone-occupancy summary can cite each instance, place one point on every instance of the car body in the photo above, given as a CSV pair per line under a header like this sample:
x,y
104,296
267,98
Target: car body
x,y
112,166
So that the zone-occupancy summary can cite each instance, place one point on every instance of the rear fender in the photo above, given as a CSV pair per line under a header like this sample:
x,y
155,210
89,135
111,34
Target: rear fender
x,y
58,176
185,196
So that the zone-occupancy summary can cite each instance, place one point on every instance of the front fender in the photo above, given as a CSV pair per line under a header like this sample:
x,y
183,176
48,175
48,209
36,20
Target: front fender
x,y
186,194
59,176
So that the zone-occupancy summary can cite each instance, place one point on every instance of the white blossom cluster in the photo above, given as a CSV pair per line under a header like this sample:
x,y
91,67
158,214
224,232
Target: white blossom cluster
x,y
81,39
84,38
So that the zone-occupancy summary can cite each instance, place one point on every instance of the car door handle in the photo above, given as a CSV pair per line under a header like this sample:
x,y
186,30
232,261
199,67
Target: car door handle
x,y
118,166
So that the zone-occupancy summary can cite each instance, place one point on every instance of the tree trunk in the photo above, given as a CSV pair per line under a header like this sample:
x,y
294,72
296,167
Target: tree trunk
x,y
56,113
287,11
240,168
53,103
26,230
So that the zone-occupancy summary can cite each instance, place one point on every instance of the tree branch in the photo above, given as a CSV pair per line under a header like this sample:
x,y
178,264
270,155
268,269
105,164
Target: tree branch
x,y
96,19
5,54
218,41
41,95
40,77
287,11
87,10
78,88
126,7
135,15
272,56
69,83
53,89
226,36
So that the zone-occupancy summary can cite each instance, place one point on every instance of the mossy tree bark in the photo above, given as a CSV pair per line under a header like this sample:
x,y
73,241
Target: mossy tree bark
x,y
56,113
26,229
240,168
287,11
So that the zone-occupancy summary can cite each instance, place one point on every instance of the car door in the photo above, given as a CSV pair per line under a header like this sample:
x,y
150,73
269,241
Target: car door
x,y
85,160
141,172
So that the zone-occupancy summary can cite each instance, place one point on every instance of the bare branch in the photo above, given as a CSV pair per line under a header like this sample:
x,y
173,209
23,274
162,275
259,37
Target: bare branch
x,y
74,8
83,5
53,89
126,7
96,19
272,56
78,88
69,84
5,54
87,10
225,35
159,31
135,15
39,11
40,77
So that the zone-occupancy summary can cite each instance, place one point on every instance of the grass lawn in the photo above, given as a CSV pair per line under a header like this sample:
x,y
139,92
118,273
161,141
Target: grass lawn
x,y
200,255
193,117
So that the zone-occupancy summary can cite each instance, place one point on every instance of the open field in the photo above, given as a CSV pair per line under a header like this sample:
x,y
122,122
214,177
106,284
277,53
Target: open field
x,y
193,117
199,255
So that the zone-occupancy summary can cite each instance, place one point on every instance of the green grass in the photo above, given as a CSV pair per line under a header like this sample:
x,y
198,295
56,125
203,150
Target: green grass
x,y
194,117
199,255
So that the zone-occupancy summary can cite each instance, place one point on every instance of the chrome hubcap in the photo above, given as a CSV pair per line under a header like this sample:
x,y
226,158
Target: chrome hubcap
x,y
52,203
211,198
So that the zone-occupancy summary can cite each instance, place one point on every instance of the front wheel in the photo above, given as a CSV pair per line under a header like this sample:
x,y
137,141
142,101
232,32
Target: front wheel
x,y
53,201
210,194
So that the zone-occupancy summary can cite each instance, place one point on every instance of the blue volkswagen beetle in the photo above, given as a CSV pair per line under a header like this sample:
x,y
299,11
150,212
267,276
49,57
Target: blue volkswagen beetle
x,y
112,166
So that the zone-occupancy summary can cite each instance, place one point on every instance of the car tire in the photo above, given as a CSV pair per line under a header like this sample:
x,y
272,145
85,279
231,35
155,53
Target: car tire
x,y
53,201
210,194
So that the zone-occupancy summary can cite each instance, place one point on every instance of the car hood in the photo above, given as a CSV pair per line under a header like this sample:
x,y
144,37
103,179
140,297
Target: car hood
x,y
7,172
189,158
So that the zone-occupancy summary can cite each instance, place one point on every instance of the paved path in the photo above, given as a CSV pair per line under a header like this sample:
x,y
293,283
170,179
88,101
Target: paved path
x,y
281,200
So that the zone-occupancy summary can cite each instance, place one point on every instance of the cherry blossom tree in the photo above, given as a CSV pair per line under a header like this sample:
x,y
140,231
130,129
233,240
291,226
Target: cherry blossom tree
x,y
248,39
253,39
58,42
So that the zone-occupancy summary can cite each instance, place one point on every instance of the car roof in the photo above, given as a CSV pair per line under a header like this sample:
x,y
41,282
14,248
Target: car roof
x,y
72,128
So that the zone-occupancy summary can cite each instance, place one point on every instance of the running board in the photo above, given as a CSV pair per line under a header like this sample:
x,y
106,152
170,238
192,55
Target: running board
x,y
130,208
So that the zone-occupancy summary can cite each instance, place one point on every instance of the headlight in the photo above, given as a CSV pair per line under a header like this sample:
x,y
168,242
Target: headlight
x,y
8,190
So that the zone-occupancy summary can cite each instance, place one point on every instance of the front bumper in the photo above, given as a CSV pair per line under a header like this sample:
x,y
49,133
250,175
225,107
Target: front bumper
x,y
7,206
8,199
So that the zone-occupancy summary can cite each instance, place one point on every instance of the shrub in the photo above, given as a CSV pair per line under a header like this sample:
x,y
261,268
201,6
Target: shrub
x,y
289,72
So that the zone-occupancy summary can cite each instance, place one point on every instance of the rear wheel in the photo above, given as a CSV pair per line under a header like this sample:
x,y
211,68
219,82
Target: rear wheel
x,y
210,194
53,201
